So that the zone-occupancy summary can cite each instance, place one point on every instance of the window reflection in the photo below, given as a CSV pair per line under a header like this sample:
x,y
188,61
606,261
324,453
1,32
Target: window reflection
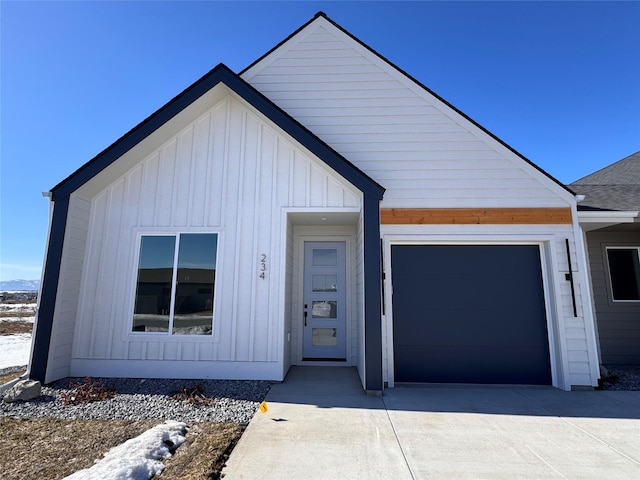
x,y
325,337
324,283
324,309
153,294
325,257
193,311
192,293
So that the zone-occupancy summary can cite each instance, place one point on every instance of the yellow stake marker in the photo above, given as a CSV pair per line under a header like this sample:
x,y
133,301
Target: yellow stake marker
x,y
263,407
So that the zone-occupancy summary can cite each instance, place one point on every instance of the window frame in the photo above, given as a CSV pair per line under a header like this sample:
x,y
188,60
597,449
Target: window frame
x,y
136,264
610,276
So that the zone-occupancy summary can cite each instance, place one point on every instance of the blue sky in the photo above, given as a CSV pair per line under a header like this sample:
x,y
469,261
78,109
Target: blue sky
x,y
558,81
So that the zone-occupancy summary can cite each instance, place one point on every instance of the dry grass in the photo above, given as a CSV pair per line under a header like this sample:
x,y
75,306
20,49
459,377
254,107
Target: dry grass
x,y
7,377
203,455
10,328
17,314
50,449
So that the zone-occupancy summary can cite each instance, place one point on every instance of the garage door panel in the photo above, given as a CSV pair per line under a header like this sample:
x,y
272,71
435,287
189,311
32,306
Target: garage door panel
x,y
500,259
480,291
450,327
466,300
451,365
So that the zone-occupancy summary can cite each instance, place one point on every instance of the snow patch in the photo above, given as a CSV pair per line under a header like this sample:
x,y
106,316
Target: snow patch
x,y
17,312
139,458
14,349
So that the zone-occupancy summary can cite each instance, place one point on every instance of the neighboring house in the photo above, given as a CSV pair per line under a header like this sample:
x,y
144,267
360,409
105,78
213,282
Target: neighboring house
x,y
609,215
322,207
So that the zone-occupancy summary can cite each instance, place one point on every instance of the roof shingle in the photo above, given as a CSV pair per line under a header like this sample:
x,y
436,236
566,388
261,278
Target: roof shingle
x,y
616,187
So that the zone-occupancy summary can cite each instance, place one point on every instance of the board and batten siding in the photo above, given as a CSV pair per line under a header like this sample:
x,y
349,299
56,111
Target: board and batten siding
x,y
230,172
410,142
618,323
61,342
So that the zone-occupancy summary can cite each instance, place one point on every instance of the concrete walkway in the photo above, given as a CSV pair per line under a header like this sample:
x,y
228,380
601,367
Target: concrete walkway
x,y
321,425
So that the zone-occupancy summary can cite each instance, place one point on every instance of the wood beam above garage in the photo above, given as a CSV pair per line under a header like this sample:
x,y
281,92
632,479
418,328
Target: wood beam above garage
x,y
471,216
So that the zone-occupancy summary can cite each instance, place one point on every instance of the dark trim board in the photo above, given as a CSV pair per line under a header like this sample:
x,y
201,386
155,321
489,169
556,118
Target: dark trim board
x,y
49,291
372,295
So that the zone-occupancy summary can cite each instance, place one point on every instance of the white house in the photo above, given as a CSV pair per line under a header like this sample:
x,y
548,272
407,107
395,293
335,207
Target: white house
x,y
321,207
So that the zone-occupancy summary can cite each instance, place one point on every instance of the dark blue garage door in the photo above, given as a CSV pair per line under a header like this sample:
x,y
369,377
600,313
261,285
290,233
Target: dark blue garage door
x,y
469,314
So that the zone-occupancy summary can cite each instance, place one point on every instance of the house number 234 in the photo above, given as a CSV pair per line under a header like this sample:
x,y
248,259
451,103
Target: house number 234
x,y
262,267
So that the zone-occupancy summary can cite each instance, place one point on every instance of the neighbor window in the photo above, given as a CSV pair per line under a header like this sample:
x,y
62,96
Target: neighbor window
x,y
624,272
175,286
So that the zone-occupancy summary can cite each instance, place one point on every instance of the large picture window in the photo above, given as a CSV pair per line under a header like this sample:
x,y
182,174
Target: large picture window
x,y
175,285
624,272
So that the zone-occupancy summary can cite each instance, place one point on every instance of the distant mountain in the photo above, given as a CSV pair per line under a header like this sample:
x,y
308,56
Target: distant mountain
x,y
20,286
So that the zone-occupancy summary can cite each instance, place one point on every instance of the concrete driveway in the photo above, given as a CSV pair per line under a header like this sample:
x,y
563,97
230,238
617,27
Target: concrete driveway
x,y
321,425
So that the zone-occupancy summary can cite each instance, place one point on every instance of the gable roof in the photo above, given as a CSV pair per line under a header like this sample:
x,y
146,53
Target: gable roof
x,y
616,187
322,15
220,74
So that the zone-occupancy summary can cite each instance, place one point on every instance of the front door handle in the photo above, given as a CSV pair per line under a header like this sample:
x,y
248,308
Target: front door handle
x,y
305,314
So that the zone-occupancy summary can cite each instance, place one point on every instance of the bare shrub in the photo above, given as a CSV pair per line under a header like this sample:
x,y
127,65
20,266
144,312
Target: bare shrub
x,y
88,391
194,394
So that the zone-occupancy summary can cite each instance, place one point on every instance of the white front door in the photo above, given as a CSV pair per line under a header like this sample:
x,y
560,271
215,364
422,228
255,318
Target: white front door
x,y
325,309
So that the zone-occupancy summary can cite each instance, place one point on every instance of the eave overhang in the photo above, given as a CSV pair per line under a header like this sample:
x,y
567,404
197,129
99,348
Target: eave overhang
x,y
596,219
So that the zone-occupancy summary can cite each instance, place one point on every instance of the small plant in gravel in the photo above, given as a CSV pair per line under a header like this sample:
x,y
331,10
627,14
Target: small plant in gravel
x,y
194,394
88,391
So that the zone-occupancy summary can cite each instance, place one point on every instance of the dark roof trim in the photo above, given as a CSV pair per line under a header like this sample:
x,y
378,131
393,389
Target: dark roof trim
x,y
586,208
298,30
220,74
417,82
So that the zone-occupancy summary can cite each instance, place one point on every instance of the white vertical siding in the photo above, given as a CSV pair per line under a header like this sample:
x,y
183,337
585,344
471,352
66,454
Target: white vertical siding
x,y
228,172
62,334
402,136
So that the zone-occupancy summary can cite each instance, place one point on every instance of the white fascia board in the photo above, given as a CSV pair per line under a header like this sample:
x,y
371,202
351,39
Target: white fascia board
x,y
593,220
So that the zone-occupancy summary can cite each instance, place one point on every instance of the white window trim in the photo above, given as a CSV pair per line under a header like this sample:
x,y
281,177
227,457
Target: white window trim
x,y
609,280
136,261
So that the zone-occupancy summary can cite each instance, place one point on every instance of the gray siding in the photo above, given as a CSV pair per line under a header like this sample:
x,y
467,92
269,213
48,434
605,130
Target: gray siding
x,y
618,323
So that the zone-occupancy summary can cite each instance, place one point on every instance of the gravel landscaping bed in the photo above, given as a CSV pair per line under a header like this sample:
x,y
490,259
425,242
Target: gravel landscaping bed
x,y
139,399
622,377
225,400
